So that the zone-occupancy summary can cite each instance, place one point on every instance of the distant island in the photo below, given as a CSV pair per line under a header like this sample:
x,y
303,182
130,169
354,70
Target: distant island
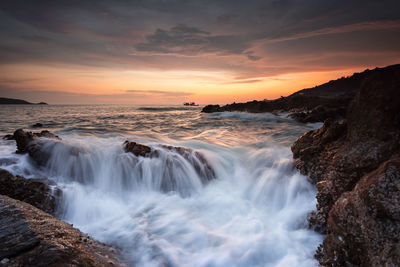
x,y
12,101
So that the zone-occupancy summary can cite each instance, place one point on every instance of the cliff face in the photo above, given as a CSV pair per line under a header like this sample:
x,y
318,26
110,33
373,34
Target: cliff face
x,y
352,161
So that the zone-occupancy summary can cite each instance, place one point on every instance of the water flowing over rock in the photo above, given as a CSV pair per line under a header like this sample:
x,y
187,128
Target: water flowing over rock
x,y
31,237
177,162
137,149
36,192
28,142
338,155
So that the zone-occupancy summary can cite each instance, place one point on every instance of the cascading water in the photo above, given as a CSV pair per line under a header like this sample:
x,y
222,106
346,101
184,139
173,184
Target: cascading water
x,y
164,210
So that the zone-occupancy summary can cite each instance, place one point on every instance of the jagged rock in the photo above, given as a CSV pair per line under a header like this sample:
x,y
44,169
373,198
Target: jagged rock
x,y
36,192
31,237
28,142
337,155
364,224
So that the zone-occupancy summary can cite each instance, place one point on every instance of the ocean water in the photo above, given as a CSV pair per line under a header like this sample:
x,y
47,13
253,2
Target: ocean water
x,y
160,211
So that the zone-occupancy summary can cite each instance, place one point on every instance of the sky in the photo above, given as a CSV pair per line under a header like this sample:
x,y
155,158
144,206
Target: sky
x,y
171,51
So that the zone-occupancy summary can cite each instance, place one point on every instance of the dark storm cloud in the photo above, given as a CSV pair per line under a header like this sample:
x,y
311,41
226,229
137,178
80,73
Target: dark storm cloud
x,y
263,35
191,41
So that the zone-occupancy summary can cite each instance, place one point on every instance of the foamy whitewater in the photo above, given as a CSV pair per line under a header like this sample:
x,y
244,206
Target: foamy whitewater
x,y
252,214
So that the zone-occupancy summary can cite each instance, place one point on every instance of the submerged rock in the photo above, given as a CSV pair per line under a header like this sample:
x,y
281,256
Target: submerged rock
x,y
337,155
36,192
31,237
197,160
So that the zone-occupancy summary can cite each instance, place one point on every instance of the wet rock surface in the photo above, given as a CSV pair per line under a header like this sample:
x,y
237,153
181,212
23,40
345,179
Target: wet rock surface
x,y
8,137
28,142
31,237
137,149
337,156
36,192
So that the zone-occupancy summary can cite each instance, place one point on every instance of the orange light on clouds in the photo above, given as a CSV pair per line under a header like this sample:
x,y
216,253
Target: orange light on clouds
x,y
155,86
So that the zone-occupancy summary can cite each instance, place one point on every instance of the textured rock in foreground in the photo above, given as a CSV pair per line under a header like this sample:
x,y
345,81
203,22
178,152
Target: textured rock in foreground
x,y
364,224
338,155
31,237
35,192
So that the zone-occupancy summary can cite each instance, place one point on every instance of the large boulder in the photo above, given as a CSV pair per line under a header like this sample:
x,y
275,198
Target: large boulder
x,y
31,237
336,156
36,192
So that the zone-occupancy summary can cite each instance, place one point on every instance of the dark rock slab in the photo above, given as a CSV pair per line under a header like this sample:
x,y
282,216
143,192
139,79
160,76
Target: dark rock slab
x,y
36,192
31,237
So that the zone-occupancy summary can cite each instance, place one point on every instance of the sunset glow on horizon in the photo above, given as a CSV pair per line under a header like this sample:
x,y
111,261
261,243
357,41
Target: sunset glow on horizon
x,y
66,52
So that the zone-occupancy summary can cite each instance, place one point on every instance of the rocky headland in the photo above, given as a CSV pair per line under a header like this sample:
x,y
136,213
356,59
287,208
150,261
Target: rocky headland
x,y
329,100
355,165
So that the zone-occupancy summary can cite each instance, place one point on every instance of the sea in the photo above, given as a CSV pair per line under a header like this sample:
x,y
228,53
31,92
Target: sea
x,y
252,214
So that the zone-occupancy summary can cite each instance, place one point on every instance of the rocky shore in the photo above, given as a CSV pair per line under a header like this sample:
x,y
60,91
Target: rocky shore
x,y
31,235
355,165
